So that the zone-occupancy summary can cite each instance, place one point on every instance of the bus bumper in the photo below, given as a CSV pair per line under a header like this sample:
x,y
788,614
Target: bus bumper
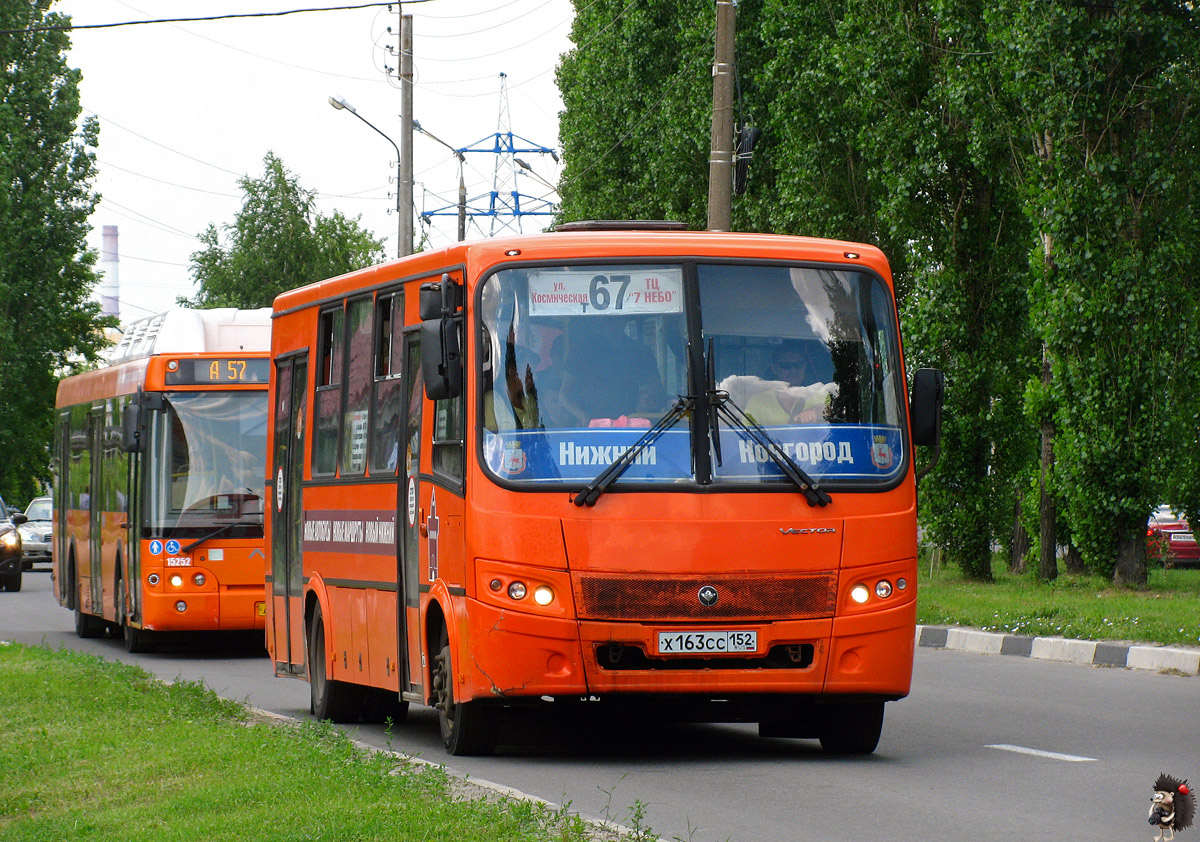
x,y
512,655
216,608
624,658
509,654
873,653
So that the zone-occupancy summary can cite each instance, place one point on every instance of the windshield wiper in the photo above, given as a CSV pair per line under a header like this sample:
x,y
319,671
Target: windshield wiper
x,y
724,406
220,530
592,491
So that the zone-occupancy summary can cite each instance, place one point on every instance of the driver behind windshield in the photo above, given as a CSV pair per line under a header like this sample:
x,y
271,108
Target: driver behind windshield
x,y
794,396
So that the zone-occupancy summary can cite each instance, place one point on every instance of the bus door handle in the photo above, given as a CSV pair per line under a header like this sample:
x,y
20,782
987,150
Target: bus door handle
x,y
424,527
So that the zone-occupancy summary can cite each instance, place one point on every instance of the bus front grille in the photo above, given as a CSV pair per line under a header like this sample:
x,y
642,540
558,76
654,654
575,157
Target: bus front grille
x,y
748,597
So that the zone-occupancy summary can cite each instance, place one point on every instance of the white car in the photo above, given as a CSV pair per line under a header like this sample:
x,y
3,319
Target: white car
x,y
37,532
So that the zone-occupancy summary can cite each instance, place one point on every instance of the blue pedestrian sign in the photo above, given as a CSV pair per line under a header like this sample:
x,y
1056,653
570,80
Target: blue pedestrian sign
x,y
156,547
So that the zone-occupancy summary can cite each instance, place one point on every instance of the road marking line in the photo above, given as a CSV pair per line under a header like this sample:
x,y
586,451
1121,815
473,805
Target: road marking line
x,y
1052,755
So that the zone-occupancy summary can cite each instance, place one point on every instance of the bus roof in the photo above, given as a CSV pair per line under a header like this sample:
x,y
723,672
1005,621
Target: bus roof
x,y
585,243
184,330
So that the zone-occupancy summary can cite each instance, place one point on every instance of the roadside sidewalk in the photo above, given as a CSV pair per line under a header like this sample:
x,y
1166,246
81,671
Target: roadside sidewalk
x,y
1130,656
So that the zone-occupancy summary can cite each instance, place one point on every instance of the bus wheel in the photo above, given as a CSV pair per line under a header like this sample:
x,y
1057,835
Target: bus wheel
x,y
13,583
382,705
136,640
852,728
336,701
85,624
468,728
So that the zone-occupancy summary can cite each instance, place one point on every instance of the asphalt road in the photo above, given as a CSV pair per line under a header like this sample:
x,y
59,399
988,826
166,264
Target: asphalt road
x,y
987,747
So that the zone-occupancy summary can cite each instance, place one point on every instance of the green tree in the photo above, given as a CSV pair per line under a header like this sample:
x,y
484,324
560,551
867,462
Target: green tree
x,y
47,323
1105,97
876,129
277,242
635,128
884,134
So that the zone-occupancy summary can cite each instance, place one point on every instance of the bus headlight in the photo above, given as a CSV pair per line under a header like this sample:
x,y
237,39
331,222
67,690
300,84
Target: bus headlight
x,y
177,581
198,580
516,590
542,595
860,594
883,589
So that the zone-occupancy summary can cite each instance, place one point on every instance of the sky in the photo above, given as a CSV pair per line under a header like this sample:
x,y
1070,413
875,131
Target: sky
x,y
187,109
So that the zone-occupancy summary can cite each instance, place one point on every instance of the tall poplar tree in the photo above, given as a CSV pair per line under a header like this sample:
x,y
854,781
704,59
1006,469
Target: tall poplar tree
x,y
1105,98
47,323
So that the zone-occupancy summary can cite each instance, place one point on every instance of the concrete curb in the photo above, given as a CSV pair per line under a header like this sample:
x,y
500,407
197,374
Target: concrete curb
x,y
1065,650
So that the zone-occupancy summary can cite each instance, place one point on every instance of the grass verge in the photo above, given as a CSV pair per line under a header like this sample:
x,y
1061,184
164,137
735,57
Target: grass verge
x,y
1084,607
95,750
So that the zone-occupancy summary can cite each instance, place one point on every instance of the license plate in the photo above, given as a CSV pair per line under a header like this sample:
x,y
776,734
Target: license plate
x,y
1182,538
706,642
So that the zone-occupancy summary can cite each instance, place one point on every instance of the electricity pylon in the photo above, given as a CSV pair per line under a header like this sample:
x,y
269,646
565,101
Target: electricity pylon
x,y
504,205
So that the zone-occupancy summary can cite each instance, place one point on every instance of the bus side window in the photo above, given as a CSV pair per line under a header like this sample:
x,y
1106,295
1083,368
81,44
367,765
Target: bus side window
x,y
448,437
387,398
328,399
355,419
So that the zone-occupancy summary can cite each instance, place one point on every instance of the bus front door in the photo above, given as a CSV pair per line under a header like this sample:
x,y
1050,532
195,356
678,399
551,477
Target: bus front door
x,y
96,512
287,590
409,600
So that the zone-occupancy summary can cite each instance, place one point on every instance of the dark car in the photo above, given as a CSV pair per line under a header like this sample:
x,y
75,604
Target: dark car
x,y
11,563
37,532
1170,538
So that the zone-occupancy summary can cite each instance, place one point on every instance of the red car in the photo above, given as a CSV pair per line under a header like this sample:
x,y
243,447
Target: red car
x,y
1169,537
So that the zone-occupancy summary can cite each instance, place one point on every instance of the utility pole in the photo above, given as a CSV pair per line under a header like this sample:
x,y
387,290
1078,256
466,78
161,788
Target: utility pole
x,y
720,160
405,187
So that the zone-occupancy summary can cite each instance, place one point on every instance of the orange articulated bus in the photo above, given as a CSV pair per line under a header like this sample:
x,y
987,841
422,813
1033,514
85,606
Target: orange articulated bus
x,y
614,463
158,495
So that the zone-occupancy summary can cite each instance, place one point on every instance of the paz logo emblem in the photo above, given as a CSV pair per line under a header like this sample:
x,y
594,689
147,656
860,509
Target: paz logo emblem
x,y
708,596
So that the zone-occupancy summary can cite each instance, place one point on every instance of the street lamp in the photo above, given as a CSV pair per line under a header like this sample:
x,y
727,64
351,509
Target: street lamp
x,y
529,170
462,185
404,242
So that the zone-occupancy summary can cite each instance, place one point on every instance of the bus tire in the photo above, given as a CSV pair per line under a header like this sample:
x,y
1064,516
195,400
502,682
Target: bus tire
x,y
468,728
384,705
12,583
137,641
852,728
329,699
87,625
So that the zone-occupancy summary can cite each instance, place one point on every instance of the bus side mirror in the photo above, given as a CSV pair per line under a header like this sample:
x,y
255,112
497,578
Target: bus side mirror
x,y
439,298
133,420
441,348
925,408
133,432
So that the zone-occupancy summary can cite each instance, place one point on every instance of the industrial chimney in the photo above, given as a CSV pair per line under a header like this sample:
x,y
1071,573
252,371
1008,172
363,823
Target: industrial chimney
x,y
110,284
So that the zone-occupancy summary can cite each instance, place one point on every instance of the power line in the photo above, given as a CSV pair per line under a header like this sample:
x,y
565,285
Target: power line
x,y
71,27
163,145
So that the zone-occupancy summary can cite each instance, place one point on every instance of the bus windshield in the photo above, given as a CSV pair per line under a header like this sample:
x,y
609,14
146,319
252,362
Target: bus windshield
x,y
208,465
580,360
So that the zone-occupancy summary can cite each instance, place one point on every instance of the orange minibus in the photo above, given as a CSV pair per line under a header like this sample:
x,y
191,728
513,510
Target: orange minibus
x,y
617,462
158,491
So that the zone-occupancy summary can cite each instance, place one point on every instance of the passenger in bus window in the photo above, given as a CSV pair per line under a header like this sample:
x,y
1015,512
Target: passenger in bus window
x,y
792,397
